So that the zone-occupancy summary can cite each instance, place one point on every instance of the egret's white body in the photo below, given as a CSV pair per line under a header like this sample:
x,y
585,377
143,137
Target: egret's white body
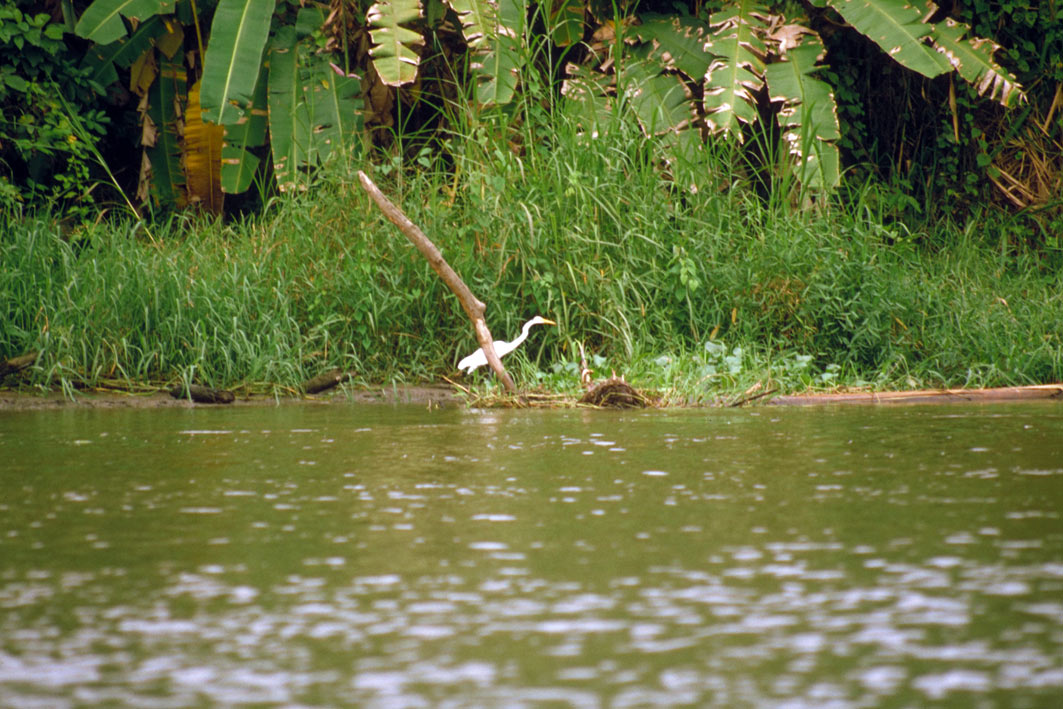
x,y
479,359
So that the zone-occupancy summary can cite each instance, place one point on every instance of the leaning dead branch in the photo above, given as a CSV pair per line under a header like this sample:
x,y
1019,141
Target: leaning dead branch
x,y
472,305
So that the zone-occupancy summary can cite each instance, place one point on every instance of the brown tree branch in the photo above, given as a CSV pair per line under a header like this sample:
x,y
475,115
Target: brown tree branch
x,y
473,306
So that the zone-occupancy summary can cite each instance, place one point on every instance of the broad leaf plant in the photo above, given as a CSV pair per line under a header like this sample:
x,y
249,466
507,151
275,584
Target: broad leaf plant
x,y
264,78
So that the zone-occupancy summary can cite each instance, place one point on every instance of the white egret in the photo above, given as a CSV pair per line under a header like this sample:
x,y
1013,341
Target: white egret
x,y
479,359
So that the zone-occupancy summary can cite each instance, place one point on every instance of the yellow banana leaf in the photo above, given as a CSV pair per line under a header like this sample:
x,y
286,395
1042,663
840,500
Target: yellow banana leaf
x,y
202,157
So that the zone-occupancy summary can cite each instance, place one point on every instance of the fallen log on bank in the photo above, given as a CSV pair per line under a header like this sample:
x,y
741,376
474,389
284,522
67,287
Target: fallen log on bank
x,y
928,396
324,382
14,364
202,395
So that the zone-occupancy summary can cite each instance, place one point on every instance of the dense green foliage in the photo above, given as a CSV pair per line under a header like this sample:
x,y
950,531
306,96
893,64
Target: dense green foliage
x,y
942,148
708,292
270,90
43,158
707,269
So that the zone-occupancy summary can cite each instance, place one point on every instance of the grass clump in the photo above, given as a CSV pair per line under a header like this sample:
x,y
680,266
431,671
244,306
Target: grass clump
x,y
675,273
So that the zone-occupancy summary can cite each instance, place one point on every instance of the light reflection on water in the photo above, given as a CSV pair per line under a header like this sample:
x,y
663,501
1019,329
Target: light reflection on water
x,y
318,556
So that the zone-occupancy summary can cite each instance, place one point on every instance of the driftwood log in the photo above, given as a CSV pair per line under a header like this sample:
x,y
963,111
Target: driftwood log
x,y
324,382
202,395
14,364
928,396
472,305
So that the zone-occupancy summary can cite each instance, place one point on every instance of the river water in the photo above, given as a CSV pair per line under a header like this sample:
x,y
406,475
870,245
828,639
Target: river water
x,y
316,556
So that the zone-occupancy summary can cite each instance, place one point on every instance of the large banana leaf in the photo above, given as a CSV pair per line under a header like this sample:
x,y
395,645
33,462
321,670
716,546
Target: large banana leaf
x,y
659,100
100,59
973,59
313,109
145,69
897,27
287,115
102,20
233,58
238,164
662,107
678,42
202,156
164,150
497,71
808,116
478,19
143,72
588,101
336,114
396,50
736,73
492,30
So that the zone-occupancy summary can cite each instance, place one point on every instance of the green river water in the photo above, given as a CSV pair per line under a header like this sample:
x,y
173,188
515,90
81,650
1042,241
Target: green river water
x,y
378,556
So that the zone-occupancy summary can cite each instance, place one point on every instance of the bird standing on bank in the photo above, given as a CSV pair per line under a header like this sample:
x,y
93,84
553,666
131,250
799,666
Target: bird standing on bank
x,y
479,359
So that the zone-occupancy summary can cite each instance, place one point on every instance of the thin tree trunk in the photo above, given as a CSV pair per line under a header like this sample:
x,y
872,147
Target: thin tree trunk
x,y
473,306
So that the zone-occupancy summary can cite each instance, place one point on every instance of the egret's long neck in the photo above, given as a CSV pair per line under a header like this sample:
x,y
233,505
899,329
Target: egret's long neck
x,y
523,334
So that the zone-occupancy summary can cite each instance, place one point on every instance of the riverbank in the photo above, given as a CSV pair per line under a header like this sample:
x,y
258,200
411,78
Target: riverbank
x,y
32,400
440,395
704,294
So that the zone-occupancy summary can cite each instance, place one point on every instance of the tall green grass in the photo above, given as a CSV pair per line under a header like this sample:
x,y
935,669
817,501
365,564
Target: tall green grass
x,y
675,271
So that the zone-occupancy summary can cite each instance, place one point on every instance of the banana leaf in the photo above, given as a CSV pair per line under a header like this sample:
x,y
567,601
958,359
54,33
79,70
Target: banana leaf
x,y
102,20
496,72
677,42
808,116
164,151
564,22
897,27
396,48
288,117
336,115
663,109
736,73
497,68
238,163
659,100
973,59
238,37
143,72
588,100
202,156
313,108
100,59
478,20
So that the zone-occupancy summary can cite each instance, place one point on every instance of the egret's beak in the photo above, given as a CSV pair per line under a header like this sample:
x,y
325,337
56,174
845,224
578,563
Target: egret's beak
x,y
548,322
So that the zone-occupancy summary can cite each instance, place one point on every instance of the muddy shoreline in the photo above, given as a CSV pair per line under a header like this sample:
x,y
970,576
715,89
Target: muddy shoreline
x,y
29,399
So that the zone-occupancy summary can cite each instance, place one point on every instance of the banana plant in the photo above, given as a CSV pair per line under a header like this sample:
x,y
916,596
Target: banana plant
x,y
267,80
493,30
807,114
313,107
202,134
746,52
736,74
161,174
901,29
